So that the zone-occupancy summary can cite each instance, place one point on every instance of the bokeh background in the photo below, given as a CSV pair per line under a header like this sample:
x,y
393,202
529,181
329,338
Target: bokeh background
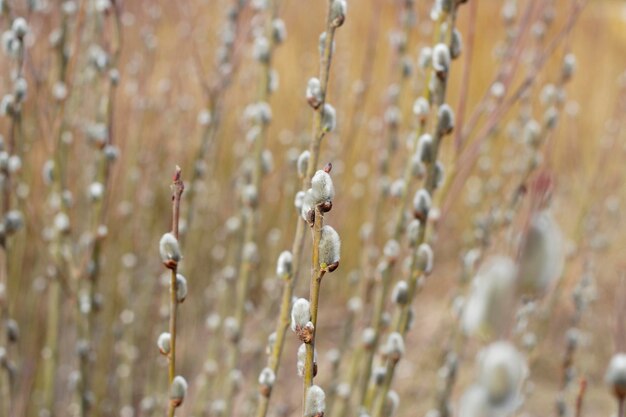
x,y
166,61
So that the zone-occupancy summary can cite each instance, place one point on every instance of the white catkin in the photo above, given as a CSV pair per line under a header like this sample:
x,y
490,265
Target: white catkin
x,y
542,256
329,246
329,118
441,58
421,108
267,377
400,292
490,297
391,249
308,203
322,186
395,346
169,248
303,163
284,264
616,373
298,200
181,288
391,404
502,370
422,203
300,313
474,402
178,389
163,343
301,356
314,92
338,12
425,258
445,120
315,402
425,149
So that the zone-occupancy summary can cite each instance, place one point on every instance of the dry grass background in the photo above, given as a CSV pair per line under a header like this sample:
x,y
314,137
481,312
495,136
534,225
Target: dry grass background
x,y
156,109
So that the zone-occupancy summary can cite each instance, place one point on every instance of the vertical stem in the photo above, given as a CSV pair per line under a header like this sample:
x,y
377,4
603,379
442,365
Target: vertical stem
x,y
316,279
177,190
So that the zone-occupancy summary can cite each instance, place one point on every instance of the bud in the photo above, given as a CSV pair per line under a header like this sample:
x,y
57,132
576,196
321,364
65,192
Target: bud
x,y
170,250
284,264
502,371
426,149
368,337
400,294
445,121
329,249
302,358
181,288
394,349
425,58
391,404
616,375
440,174
542,255
267,377
393,116
355,305
441,59
425,258
303,163
421,204
569,66
308,204
315,404
163,342
489,301
456,46
96,191
314,93
300,314
532,133
421,108
279,31
392,249
413,230
550,117
298,200
329,118
19,27
261,49
322,186
338,10
13,221
178,391
231,329
249,196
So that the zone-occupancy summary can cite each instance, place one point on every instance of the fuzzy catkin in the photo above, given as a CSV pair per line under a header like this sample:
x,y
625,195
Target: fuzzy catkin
x,y
329,246
164,343
300,314
329,118
322,187
178,390
616,375
284,265
303,163
181,288
315,405
169,248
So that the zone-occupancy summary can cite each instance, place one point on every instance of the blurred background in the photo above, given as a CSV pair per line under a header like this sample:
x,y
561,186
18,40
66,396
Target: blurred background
x,y
121,92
